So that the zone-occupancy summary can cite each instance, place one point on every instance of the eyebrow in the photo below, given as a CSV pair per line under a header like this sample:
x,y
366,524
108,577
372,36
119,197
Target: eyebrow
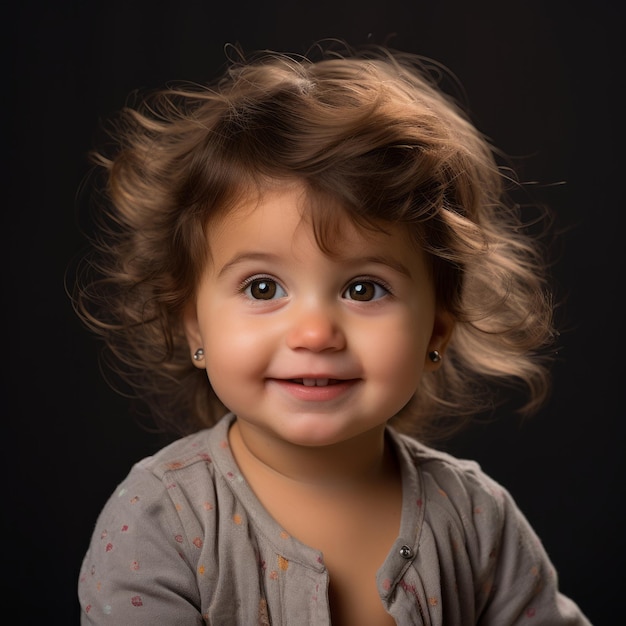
x,y
247,256
394,264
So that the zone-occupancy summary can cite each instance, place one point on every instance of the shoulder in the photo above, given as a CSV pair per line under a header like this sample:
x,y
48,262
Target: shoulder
x,y
441,471
155,485
187,455
456,494
155,509
181,455
469,515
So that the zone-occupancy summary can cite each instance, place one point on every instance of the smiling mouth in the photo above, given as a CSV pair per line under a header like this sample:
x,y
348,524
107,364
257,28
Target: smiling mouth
x,y
315,390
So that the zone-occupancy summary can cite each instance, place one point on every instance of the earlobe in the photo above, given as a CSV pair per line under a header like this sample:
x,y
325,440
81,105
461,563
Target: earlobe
x,y
194,336
442,332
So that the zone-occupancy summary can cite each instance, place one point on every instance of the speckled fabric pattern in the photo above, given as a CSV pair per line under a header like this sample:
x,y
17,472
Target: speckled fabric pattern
x,y
183,540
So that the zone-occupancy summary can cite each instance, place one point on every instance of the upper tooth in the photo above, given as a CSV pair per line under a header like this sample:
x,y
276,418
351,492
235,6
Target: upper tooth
x,y
312,382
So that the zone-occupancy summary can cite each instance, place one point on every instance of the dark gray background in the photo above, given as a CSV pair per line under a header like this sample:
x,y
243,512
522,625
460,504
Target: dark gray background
x,y
544,81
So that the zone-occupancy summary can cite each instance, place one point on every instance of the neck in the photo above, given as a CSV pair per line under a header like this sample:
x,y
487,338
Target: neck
x,y
359,461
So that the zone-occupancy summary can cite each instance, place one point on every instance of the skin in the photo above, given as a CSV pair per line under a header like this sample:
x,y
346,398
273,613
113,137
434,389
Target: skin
x,y
272,309
314,354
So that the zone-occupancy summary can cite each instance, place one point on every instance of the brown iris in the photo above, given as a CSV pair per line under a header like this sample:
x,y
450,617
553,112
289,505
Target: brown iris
x,y
263,289
362,291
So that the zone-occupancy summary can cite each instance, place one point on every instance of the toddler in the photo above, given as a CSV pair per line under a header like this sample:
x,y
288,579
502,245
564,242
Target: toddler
x,y
308,270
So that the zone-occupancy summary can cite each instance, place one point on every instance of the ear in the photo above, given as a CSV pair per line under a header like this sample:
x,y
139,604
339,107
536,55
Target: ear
x,y
442,332
193,334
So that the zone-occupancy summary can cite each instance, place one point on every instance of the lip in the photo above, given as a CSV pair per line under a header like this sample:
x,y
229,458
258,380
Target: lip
x,y
332,391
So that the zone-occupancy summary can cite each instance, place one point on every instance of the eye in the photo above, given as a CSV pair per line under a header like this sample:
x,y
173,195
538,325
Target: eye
x,y
365,291
263,289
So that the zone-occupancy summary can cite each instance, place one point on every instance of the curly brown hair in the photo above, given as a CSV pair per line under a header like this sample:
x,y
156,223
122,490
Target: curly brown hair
x,y
373,129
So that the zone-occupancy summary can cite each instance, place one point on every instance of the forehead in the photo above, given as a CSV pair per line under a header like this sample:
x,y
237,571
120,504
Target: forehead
x,y
290,211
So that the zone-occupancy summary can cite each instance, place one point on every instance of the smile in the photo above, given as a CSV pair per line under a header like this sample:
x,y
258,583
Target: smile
x,y
315,389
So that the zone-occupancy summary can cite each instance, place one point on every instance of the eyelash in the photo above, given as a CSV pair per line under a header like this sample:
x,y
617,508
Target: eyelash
x,y
368,279
251,279
371,279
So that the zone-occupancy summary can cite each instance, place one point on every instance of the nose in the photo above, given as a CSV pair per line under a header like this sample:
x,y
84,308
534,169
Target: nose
x,y
316,328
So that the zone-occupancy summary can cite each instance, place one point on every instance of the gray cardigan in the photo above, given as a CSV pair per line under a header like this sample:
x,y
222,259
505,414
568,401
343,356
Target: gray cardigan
x,y
183,540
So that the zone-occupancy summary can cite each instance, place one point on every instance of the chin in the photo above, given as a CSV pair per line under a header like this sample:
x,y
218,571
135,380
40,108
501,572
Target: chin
x,y
316,433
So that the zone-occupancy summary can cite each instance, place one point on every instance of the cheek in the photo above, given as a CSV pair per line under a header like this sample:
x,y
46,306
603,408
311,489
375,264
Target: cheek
x,y
234,350
397,354
228,369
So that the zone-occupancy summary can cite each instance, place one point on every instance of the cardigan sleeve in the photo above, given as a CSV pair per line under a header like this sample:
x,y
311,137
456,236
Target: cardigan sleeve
x,y
523,583
137,569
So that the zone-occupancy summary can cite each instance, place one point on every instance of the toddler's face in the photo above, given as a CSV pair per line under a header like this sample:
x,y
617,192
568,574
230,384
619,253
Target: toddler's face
x,y
312,349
